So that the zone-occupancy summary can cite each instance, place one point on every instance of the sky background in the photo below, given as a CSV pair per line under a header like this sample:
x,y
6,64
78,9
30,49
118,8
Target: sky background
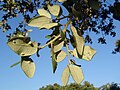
x,y
103,68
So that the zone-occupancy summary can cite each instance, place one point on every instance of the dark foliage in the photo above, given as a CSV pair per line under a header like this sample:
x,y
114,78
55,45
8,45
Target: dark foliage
x,y
85,86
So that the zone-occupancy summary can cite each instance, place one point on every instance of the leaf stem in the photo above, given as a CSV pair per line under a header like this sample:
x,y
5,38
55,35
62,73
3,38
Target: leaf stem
x,y
64,30
40,47
67,48
62,17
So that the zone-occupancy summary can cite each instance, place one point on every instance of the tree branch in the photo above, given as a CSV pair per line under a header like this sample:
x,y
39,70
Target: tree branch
x,y
64,30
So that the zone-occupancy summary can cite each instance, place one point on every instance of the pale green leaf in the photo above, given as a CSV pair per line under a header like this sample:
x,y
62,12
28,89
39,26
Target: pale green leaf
x,y
74,53
76,73
88,53
54,10
65,76
19,39
28,66
42,22
22,48
48,25
62,0
43,12
58,46
79,41
15,64
61,56
39,21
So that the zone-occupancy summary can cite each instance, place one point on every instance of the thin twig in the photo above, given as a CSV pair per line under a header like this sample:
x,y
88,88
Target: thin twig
x,y
64,30
62,17
40,47
67,48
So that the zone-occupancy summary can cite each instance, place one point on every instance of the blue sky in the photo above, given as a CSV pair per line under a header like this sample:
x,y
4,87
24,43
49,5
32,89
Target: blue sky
x,y
102,69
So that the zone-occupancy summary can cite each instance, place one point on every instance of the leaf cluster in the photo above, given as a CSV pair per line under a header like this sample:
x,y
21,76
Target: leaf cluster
x,y
83,17
22,45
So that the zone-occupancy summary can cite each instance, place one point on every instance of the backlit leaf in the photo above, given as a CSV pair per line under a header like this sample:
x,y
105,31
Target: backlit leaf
x,y
62,0
74,53
42,22
58,46
65,76
22,48
61,56
54,10
79,41
39,21
88,53
76,73
43,12
48,25
28,66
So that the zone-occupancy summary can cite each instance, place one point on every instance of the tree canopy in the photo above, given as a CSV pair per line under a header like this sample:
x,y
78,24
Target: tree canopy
x,y
80,17
85,86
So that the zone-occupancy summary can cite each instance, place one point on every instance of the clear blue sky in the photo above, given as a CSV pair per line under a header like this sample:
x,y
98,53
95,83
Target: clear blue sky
x,y
102,69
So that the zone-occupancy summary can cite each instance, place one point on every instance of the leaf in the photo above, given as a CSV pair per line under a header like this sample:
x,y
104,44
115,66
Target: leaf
x,y
88,53
54,10
86,1
76,73
72,41
42,22
61,56
94,4
79,40
56,31
58,46
39,21
62,35
65,76
48,25
62,0
77,13
28,66
15,64
54,63
20,34
48,36
1,24
22,48
43,12
74,53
